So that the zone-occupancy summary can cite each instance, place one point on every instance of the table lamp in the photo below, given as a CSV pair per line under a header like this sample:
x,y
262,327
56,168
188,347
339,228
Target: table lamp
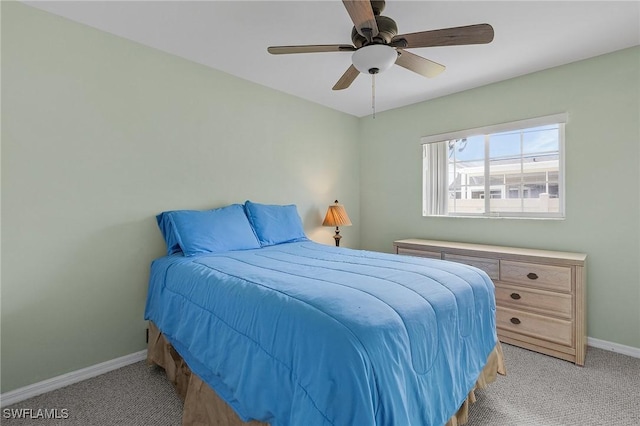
x,y
336,216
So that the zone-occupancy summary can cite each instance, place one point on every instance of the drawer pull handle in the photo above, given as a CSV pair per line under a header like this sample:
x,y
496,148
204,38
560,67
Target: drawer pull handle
x,y
515,320
532,276
515,296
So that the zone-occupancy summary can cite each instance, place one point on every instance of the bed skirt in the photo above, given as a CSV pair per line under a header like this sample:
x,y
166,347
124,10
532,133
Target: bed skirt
x,y
202,406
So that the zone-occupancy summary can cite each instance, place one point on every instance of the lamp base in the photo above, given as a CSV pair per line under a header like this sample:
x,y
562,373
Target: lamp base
x,y
337,237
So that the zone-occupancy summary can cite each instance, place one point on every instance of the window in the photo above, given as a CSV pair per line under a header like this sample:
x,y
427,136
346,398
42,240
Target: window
x,y
507,170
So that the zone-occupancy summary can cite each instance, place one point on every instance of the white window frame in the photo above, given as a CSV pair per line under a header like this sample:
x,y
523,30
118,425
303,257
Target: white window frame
x,y
560,119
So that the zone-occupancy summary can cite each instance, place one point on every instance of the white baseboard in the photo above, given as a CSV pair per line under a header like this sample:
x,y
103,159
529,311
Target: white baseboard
x,y
614,347
70,378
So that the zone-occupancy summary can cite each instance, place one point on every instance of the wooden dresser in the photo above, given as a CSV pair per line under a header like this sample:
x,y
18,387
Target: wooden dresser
x,y
540,295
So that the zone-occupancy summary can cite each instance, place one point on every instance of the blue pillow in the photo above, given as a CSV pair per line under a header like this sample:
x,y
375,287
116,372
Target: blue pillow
x,y
208,231
166,227
275,224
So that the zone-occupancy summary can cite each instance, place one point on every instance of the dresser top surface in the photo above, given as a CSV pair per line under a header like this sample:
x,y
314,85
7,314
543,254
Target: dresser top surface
x,y
416,243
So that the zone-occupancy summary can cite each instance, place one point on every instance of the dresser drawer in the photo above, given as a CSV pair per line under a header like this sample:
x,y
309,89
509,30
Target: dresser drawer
x,y
550,277
419,253
490,266
529,324
534,300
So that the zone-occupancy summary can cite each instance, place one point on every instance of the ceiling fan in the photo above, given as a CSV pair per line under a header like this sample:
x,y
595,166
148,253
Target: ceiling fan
x,y
377,45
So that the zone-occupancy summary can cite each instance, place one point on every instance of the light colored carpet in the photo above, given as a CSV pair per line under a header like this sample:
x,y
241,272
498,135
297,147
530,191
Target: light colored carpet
x,y
543,391
538,391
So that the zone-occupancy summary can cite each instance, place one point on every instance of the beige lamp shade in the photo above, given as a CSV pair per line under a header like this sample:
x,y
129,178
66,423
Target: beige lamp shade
x,y
336,216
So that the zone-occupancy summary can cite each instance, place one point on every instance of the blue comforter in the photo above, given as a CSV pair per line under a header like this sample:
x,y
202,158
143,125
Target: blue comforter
x,y
308,334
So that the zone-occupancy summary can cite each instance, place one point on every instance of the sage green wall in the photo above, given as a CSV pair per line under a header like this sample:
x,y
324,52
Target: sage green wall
x,y
601,96
99,134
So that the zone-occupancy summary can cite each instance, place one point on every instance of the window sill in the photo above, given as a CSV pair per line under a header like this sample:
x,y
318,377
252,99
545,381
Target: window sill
x,y
559,218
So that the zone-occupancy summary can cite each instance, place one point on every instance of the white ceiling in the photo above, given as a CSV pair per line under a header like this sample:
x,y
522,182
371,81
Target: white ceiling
x,y
233,36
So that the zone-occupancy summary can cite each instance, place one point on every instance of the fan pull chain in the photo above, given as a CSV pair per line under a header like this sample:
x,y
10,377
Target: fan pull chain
x,y
373,94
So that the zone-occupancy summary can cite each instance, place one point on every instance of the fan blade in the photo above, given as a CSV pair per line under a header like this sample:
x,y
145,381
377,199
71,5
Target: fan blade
x,y
471,34
347,78
418,64
361,14
311,48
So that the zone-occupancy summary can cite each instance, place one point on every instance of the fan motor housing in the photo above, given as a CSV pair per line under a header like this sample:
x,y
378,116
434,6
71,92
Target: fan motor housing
x,y
377,6
387,29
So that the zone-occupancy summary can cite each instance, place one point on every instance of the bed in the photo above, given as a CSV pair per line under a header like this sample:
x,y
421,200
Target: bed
x,y
295,332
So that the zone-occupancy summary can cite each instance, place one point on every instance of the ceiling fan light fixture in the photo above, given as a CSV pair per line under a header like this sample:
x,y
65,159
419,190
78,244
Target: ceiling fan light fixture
x,y
374,58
